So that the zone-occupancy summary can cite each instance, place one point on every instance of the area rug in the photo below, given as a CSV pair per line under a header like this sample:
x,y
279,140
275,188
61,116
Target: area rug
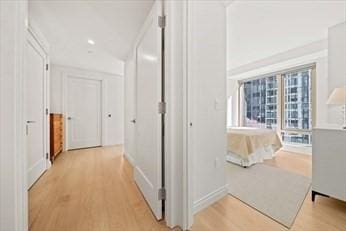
x,y
277,193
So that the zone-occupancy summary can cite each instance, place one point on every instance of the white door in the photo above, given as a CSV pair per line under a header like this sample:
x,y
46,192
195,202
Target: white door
x,y
36,117
148,170
83,113
130,110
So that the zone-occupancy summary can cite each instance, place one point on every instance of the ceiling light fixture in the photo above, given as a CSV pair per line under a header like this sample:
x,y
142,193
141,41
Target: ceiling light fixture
x,y
91,42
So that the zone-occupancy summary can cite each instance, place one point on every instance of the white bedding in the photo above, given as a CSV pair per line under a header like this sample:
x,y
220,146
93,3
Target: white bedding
x,y
258,156
247,146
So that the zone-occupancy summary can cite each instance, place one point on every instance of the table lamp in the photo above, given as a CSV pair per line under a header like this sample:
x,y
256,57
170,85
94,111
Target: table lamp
x,y
338,97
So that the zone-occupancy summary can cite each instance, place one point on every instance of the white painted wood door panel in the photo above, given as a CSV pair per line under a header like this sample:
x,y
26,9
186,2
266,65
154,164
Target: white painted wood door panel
x,y
35,111
83,113
148,170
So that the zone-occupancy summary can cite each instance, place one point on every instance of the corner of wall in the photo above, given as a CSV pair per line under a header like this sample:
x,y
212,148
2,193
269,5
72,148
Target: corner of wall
x,y
209,199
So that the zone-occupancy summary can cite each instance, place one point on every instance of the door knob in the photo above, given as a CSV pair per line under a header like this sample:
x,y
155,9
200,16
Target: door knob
x,y
30,122
133,121
69,118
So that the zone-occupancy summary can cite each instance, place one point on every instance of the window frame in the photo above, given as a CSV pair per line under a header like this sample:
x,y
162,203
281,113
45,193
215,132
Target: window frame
x,y
281,99
282,102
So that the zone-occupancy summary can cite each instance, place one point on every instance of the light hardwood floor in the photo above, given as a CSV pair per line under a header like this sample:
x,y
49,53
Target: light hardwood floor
x,y
93,189
231,214
90,189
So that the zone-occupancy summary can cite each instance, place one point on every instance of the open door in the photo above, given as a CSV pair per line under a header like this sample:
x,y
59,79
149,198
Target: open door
x,y
35,110
148,171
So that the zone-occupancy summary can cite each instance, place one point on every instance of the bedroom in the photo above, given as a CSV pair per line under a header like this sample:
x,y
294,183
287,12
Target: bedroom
x,y
281,75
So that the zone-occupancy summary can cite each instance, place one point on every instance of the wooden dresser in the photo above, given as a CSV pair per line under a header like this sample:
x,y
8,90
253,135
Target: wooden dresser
x,y
56,135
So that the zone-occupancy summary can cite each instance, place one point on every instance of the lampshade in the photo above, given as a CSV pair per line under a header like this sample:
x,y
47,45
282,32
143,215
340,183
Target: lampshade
x,y
338,96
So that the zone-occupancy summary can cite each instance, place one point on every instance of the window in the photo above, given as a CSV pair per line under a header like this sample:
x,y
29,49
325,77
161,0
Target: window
x,y
288,94
260,103
229,112
298,107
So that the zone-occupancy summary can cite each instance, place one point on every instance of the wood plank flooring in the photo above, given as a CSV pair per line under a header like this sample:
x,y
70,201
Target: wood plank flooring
x,y
231,214
93,189
90,189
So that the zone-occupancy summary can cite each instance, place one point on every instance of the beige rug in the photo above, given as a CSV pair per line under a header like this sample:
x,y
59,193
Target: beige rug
x,y
277,193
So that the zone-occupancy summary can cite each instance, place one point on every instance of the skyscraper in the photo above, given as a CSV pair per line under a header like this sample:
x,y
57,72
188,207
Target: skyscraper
x,y
261,105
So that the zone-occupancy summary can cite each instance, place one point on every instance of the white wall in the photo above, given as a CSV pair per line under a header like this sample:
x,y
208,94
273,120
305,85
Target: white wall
x,y
114,100
277,26
337,67
207,92
329,57
13,175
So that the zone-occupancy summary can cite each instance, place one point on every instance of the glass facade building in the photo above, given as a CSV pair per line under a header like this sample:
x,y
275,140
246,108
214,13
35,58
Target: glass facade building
x,y
261,104
297,111
260,99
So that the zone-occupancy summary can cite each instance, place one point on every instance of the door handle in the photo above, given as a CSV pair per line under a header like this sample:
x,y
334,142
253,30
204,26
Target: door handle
x,y
69,118
30,122
133,121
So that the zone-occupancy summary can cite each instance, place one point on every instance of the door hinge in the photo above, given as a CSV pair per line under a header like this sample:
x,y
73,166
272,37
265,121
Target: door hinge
x,y
46,111
162,194
47,155
47,66
162,107
162,21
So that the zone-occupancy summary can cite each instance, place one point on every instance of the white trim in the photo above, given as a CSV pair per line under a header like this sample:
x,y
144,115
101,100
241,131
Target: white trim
x,y
227,3
130,159
65,76
209,199
299,149
187,117
85,72
36,33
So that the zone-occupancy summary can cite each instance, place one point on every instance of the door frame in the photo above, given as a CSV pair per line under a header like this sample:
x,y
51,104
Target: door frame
x,y
39,43
65,76
188,118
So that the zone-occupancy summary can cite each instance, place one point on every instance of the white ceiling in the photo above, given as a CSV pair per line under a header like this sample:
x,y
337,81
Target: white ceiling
x,y
67,25
259,29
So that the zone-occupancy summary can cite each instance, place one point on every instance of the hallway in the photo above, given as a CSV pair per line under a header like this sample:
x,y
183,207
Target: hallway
x,y
89,189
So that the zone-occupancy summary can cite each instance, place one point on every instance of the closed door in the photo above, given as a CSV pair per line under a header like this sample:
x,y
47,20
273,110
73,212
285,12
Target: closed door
x,y
35,110
148,170
83,113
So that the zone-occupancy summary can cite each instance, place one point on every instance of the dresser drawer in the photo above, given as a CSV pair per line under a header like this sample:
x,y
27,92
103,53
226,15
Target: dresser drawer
x,y
56,134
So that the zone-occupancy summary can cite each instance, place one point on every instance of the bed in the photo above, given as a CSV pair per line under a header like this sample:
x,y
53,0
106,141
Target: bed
x,y
248,146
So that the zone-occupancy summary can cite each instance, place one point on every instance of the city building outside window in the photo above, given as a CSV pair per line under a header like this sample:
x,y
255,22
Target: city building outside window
x,y
288,94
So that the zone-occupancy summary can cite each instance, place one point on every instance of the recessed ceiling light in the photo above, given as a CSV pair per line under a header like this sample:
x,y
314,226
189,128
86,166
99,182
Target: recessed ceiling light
x,y
91,42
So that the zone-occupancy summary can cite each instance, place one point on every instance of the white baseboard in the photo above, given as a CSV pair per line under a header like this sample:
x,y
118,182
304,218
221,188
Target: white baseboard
x,y
297,149
130,159
209,199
